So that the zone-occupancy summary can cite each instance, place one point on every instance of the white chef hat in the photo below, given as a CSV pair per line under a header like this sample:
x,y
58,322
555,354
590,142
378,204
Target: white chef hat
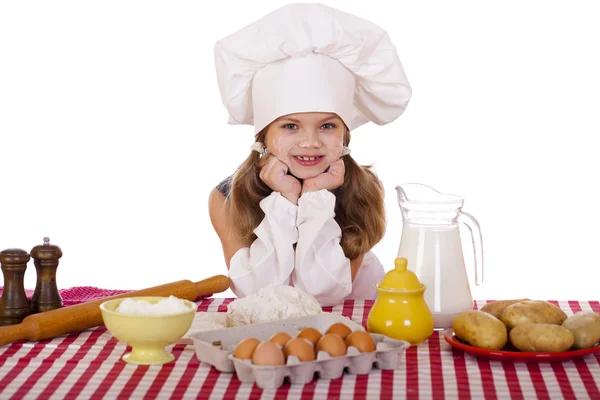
x,y
310,57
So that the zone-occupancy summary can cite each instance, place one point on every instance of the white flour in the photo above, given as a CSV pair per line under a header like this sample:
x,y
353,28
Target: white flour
x,y
170,305
272,303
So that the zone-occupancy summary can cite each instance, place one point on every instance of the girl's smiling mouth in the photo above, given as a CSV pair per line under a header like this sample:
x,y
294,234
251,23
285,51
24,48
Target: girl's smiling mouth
x,y
308,161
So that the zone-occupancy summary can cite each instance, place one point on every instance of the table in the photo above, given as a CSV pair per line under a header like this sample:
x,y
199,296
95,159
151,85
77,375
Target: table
x,y
88,365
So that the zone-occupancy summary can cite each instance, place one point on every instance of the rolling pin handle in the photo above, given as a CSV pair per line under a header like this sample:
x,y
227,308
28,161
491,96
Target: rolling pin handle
x,y
13,333
217,284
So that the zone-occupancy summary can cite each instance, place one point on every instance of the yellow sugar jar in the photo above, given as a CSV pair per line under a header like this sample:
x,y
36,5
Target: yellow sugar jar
x,y
400,310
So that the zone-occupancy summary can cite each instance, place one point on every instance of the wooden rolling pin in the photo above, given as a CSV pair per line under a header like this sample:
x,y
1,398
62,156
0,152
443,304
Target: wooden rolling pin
x,y
79,317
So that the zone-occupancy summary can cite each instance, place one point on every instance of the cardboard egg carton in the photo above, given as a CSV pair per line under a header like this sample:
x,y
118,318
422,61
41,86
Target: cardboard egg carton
x,y
216,347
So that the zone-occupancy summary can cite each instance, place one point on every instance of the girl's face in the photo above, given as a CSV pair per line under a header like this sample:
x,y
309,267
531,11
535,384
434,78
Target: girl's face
x,y
307,142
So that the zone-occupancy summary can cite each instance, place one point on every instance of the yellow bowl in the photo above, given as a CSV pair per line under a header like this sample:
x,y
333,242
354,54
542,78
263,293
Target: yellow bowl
x,y
148,335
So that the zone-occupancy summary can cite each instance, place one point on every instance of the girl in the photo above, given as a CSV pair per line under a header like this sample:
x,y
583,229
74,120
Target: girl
x,y
300,211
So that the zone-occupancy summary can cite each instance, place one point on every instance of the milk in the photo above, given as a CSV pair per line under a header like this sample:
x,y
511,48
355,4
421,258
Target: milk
x,y
434,254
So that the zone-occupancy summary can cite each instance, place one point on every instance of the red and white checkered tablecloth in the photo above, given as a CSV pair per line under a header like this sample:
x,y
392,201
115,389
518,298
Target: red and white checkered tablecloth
x,y
88,365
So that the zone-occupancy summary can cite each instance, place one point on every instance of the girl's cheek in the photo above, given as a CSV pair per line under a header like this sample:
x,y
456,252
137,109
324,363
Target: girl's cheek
x,y
333,143
281,150
334,150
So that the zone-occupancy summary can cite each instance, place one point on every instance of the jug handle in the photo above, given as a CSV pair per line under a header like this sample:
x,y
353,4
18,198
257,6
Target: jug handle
x,y
473,226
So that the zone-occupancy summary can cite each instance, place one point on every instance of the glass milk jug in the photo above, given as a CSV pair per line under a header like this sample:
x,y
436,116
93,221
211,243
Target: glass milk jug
x,y
432,245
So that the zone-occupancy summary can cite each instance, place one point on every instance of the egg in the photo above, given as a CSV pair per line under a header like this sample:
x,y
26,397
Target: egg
x,y
340,329
268,353
280,338
311,334
301,348
361,340
245,348
332,344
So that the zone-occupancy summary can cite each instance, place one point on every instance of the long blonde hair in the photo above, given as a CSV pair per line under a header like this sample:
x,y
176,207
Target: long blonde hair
x,y
359,209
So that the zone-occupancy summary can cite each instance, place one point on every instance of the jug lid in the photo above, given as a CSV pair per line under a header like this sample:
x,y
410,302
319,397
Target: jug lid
x,y
400,277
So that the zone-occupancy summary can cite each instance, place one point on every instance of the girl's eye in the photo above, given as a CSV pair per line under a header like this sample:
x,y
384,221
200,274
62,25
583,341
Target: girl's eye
x,y
290,126
328,126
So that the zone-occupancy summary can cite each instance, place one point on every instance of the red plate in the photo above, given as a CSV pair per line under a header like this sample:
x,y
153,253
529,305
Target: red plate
x,y
510,353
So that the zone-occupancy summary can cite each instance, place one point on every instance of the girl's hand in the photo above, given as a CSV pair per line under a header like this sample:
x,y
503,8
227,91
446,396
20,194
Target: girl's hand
x,y
274,174
331,179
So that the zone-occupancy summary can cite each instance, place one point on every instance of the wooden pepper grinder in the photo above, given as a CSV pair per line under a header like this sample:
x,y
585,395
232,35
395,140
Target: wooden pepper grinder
x,y
46,296
14,304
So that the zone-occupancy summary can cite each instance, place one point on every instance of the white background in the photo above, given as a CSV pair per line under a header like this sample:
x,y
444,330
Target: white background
x,y
112,134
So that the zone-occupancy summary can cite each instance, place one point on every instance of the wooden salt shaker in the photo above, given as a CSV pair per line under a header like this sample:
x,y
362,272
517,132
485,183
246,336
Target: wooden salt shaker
x,y
46,296
14,304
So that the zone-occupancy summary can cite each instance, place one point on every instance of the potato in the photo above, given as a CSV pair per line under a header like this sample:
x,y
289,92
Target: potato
x,y
532,311
585,327
541,337
480,329
496,307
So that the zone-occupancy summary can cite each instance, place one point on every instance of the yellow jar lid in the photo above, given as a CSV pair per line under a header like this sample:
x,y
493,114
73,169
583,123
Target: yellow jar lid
x,y
400,277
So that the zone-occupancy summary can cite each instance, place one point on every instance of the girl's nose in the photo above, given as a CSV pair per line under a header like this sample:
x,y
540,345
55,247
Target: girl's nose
x,y
310,139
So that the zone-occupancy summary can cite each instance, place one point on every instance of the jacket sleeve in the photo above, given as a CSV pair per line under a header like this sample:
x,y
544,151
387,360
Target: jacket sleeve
x,y
322,269
270,258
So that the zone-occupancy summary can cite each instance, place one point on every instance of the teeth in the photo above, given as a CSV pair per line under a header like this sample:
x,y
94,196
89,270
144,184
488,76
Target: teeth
x,y
307,158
